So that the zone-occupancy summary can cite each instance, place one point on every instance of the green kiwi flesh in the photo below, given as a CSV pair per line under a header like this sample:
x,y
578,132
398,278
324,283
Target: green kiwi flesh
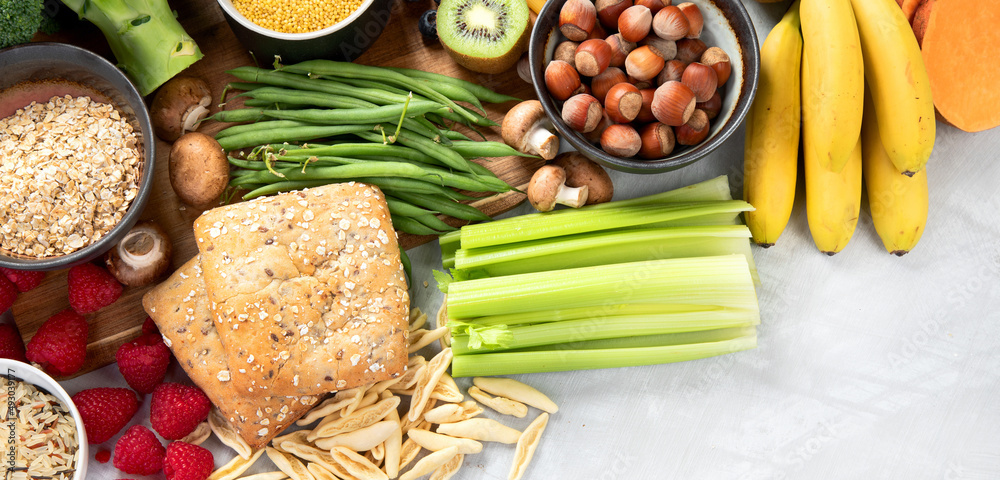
x,y
486,36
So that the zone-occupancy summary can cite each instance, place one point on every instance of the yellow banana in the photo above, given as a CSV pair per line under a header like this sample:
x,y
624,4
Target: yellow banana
x,y
770,156
833,200
898,203
536,5
900,88
832,81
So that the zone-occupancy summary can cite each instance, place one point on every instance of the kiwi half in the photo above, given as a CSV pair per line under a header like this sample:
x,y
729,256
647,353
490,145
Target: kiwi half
x,y
486,36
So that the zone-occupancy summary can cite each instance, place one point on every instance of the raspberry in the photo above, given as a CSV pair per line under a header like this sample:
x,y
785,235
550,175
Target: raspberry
x,y
91,288
139,452
143,363
24,279
185,461
11,345
102,456
8,294
149,327
60,345
105,411
176,410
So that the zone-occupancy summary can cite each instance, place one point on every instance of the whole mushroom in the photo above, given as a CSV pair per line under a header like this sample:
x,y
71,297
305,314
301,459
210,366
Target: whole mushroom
x,y
525,127
178,107
142,257
581,171
547,188
199,169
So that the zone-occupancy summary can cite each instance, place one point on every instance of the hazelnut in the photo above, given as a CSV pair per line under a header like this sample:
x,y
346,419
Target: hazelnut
x,y
673,104
701,79
657,141
623,103
670,23
561,80
603,82
582,112
694,131
593,57
718,59
712,107
672,72
620,48
576,19
643,63
695,19
646,111
608,11
566,51
621,140
690,49
634,23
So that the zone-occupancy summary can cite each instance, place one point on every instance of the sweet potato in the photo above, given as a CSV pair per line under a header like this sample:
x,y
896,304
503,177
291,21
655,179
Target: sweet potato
x,y
920,18
908,6
962,83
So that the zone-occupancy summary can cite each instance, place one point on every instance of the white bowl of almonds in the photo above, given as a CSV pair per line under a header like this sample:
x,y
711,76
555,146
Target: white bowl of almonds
x,y
77,153
49,439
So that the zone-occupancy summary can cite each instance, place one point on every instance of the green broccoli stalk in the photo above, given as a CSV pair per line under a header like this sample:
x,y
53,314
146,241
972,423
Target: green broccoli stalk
x,y
149,43
19,20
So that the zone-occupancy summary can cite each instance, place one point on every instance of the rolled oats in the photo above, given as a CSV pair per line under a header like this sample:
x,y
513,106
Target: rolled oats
x,y
69,169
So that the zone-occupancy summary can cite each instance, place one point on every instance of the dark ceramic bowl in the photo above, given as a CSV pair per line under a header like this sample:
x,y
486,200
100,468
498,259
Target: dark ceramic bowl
x,y
38,71
344,41
727,26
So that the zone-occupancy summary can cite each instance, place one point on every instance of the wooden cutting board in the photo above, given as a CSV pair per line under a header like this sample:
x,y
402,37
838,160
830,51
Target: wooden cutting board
x,y
400,45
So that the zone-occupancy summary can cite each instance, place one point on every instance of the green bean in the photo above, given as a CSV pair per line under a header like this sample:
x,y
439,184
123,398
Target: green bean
x,y
399,207
356,149
444,177
306,97
340,116
266,105
258,126
440,137
397,185
245,164
279,187
250,139
448,207
434,222
348,171
479,91
486,149
355,70
411,226
442,153
455,93
455,135
247,86
238,115
365,83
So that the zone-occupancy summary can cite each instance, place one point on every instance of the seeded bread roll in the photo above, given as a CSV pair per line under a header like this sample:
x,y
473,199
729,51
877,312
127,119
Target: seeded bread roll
x,y
180,309
307,289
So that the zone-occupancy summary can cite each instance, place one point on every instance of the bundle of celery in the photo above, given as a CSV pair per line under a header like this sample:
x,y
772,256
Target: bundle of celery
x,y
372,124
657,279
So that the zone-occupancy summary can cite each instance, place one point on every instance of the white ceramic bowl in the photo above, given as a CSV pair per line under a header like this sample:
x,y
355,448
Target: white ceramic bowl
x,y
38,378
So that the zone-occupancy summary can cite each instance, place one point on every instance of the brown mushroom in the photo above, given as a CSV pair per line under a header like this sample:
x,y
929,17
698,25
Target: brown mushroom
x,y
199,169
142,257
581,171
548,188
525,127
178,107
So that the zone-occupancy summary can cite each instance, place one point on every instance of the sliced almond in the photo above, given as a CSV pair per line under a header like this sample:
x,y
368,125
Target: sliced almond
x,y
298,436
423,337
227,434
384,385
378,454
526,446
359,419
436,441
449,469
361,439
447,390
358,396
502,405
453,412
235,467
199,435
357,465
322,473
289,464
483,429
369,399
429,463
426,382
515,390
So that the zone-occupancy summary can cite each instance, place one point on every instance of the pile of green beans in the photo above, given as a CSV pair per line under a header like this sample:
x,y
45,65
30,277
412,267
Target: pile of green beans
x,y
320,122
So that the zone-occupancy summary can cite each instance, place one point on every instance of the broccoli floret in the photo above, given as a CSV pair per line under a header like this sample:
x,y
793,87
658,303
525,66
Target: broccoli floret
x,y
19,20
148,42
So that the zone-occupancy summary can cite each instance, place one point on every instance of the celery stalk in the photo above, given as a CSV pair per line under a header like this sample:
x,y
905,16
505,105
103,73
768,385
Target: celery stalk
x,y
588,249
722,280
663,340
613,327
511,363
602,311
569,222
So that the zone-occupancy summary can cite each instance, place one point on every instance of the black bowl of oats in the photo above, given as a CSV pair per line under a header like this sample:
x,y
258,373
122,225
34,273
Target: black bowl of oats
x,y
77,156
49,435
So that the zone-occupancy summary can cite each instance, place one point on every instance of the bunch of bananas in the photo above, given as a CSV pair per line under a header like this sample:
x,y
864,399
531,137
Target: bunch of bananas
x,y
814,68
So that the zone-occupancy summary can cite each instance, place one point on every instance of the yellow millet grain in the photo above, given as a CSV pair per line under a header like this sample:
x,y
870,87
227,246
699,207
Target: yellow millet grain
x,y
296,16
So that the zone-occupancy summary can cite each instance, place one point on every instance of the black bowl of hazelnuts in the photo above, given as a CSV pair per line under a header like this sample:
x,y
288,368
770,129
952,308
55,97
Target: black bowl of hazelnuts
x,y
644,86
